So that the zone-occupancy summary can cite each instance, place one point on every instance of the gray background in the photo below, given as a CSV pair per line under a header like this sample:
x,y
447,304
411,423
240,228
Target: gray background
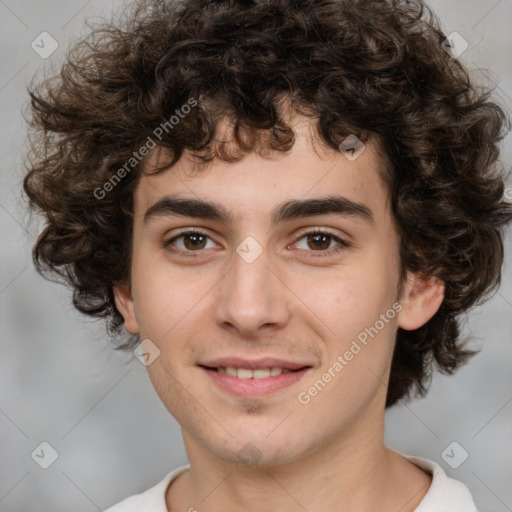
x,y
60,382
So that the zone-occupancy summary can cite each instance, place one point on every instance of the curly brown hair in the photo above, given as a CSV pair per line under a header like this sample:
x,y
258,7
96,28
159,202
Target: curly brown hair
x,y
373,68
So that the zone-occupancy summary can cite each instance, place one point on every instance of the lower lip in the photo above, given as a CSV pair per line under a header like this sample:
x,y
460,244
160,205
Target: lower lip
x,y
254,387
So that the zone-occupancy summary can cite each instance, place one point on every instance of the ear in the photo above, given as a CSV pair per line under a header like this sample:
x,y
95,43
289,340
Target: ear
x,y
124,304
421,297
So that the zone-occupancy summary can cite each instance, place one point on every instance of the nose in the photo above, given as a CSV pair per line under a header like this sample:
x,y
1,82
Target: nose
x,y
253,298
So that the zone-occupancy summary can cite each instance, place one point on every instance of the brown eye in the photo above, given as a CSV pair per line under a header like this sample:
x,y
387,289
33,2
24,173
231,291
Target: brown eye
x,y
319,241
194,241
188,242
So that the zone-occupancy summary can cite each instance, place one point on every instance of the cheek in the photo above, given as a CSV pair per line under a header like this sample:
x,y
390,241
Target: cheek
x,y
162,297
347,300
358,344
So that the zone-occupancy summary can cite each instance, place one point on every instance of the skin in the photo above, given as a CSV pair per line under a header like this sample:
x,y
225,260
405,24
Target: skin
x,y
295,302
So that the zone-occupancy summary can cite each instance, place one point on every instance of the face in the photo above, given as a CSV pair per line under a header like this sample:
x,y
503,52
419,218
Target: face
x,y
294,283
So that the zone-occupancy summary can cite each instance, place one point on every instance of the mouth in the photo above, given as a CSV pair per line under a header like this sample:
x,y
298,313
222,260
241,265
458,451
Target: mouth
x,y
253,382
248,373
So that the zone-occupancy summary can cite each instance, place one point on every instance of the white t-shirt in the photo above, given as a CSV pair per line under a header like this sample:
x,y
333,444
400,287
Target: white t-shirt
x,y
444,495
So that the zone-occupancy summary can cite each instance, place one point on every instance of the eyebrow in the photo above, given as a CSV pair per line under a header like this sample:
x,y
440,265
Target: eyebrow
x,y
288,210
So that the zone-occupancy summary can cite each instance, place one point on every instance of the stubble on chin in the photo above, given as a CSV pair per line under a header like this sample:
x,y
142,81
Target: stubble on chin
x,y
253,406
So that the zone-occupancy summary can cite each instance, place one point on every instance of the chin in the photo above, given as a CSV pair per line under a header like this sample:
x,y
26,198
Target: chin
x,y
258,452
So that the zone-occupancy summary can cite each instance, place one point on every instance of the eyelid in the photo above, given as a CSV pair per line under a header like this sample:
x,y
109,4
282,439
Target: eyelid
x,y
314,230
342,242
185,231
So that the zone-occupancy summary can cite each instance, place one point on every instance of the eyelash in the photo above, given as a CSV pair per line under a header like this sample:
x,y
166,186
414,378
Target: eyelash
x,y
187,254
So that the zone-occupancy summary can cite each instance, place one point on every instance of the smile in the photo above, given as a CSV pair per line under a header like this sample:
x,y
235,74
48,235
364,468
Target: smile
x,y
256,382
247,373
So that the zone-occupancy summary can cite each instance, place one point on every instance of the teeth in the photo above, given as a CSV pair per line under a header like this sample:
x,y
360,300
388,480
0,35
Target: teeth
x,y
231,371
247,373
242,373
261,374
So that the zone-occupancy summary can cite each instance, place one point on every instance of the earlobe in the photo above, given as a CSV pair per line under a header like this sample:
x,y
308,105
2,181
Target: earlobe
x,y
421,298
124,304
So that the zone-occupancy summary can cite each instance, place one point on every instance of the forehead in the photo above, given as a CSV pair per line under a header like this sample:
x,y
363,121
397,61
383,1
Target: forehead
x,y
256,183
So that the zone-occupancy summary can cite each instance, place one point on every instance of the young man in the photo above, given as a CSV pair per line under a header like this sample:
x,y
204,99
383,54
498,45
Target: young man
x,y
288,203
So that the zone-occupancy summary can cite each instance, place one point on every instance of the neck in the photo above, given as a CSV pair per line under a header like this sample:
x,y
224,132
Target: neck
x,y
353,471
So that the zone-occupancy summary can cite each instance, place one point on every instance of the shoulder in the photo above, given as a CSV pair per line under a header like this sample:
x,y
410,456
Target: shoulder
x,y
151,500
445,494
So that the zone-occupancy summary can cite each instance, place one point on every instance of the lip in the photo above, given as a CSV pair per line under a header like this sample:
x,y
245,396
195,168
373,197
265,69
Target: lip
x,y
253,364
254,388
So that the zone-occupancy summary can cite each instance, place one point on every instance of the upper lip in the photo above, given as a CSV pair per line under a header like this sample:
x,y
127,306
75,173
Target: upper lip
x,y
253,364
